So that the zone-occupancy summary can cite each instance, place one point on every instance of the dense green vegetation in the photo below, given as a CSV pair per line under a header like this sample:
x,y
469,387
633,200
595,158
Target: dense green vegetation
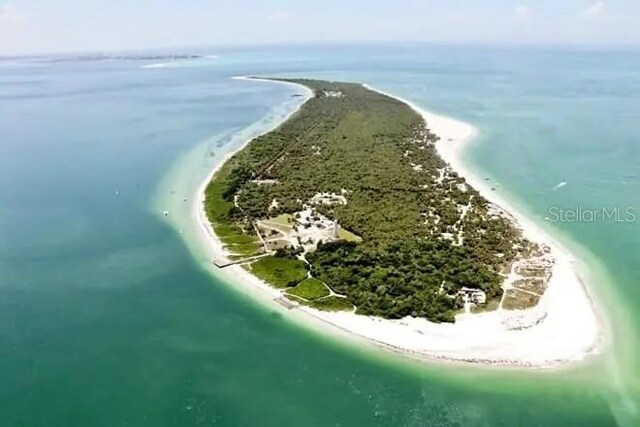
x,y
280,272
399,279
424,233
332,303
229,225
310,288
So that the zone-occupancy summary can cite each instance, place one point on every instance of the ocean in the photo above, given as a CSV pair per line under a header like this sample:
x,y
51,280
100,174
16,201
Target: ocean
x,y
109,313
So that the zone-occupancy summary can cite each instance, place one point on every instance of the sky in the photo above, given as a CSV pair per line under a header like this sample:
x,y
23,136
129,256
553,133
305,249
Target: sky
x,y
31,26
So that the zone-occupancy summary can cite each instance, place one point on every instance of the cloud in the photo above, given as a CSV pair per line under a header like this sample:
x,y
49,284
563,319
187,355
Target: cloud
x,y
8,14
594,10
281,16
523,12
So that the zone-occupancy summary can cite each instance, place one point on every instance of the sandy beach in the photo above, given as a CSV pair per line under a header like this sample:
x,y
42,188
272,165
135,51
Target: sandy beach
x,y
563,328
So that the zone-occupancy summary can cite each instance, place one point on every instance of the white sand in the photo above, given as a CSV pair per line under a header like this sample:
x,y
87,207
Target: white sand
x,y
562,328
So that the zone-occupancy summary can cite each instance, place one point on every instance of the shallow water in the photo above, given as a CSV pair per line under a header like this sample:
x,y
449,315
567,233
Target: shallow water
x,y
107,317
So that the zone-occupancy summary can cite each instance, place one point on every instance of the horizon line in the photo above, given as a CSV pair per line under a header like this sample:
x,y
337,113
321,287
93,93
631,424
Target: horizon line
x,y
560,45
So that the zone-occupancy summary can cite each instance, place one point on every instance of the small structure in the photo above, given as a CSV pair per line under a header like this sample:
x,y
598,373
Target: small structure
x,y
472,295
332,93
335,228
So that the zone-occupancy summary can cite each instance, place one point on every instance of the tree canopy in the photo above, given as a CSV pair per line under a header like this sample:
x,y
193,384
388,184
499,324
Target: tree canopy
x,y
425,232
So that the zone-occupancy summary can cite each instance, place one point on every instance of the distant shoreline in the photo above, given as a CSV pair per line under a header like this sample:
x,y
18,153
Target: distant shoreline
x,y
563,327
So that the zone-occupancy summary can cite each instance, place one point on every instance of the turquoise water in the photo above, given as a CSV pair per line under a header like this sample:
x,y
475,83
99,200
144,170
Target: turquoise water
x,y
108,315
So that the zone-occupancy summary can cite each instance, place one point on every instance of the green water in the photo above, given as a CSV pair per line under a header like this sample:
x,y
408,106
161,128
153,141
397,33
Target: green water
x,y
110,316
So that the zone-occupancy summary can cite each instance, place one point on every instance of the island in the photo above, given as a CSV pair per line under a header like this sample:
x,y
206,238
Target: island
x,y
347,210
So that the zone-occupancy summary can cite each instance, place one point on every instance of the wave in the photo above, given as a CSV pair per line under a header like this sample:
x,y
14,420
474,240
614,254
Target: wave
x,y
559,185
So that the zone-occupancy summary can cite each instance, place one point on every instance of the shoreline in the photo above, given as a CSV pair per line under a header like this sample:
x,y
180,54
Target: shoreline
x,y
563,328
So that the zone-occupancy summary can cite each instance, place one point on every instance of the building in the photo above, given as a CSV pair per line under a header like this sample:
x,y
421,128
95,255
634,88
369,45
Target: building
x,y
476,296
